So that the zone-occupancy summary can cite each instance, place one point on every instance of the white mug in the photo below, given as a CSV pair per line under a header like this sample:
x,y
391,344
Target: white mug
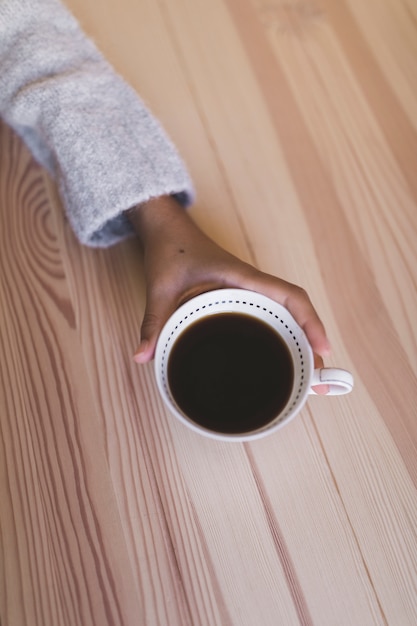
x,y
278,320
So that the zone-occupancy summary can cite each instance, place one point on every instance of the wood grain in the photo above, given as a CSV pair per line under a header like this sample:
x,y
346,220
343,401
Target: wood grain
x,y
298,120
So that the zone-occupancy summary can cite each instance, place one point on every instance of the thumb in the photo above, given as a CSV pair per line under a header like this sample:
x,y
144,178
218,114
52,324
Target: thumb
x,y
153,320
149,332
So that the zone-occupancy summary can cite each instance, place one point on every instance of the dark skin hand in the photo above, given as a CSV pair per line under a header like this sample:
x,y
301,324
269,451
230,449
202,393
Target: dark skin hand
x,y
181,262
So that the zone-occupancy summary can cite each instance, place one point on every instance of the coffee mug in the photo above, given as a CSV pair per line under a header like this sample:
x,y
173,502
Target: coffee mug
x,y
234,365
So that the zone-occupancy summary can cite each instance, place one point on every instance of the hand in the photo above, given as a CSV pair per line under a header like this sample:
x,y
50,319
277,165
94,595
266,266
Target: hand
x,y
181,262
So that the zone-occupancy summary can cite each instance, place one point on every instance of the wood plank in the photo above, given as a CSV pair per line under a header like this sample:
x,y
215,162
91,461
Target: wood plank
x,y
63,560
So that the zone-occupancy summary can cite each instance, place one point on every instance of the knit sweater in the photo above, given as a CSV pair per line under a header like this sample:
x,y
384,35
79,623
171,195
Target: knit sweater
x,y
82,121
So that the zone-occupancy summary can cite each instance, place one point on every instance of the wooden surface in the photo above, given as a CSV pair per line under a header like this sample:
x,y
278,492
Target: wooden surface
x,y
299,124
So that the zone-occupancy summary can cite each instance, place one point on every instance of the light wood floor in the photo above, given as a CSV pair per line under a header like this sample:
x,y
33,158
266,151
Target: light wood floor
x,y
298,120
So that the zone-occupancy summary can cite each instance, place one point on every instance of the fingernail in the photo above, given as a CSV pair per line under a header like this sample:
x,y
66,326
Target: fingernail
x,y
140,356
327,350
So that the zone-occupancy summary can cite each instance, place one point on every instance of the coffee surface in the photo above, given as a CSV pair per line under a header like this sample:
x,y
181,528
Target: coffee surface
x,y
230,373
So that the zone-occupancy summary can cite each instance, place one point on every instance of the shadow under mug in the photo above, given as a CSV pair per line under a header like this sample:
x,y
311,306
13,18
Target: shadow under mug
x,y
278,319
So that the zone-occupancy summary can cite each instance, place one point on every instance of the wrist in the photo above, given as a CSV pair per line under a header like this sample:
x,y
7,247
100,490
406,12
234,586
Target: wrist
x,y
153,216
162,219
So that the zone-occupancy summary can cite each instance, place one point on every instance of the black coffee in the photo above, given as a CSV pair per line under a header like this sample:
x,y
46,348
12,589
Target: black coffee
x,y
230,373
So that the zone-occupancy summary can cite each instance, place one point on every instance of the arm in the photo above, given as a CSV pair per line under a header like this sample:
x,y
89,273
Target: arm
x,y
108,154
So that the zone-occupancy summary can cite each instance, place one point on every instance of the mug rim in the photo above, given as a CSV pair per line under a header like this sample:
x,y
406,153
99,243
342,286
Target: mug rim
x,y
235,300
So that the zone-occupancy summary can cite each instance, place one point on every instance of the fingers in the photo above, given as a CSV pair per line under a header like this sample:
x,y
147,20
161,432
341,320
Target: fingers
x,y
318,363
299,305
296,300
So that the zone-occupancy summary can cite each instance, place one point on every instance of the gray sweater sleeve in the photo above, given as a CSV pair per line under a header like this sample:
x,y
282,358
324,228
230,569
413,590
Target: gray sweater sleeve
x,y
82,121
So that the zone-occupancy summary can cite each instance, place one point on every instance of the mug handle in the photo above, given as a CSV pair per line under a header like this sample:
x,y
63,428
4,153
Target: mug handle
x,y
339,381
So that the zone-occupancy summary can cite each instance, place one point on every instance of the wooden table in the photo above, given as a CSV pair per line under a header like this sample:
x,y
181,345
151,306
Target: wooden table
x,y
299,123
